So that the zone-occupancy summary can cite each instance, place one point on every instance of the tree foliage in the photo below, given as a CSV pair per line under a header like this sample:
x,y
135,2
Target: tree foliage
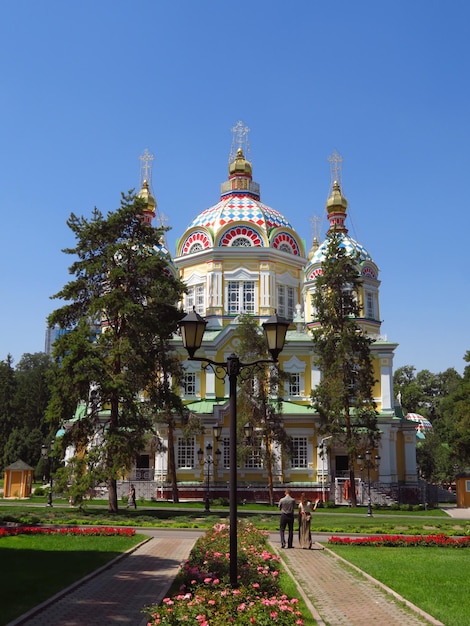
x,y
24,395
444,399
344,396
120,308
259,402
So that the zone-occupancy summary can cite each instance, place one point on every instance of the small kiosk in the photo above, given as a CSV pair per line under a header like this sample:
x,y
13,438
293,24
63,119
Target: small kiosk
x,y
462,484
18,481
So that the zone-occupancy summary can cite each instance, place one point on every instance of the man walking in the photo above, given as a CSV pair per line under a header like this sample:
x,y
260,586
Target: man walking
x,y
287,504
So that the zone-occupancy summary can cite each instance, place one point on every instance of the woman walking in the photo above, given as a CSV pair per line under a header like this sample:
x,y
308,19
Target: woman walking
x,y
305,516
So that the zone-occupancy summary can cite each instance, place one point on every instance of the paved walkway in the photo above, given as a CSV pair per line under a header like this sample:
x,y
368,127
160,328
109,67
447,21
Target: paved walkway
x,y
340,596
117,594
336,595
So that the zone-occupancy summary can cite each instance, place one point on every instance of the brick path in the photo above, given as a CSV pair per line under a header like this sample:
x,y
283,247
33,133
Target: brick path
x,y
118,593
341,597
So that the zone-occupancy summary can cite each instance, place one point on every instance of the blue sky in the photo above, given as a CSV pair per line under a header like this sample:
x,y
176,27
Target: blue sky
x,y
87,86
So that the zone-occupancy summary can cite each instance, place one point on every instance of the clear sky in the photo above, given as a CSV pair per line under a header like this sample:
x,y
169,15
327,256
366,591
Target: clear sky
x,y
87,86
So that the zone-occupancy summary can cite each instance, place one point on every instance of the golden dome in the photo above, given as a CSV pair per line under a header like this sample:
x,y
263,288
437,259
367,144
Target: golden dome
x,y
147,197
336,198
240,165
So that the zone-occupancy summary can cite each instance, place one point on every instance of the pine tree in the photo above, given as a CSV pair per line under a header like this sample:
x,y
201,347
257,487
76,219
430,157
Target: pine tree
x,y
344,397
259,403
120,307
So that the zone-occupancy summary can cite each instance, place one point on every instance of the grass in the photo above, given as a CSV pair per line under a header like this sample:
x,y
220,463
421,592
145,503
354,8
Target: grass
x,y
192,515
36,567
435,579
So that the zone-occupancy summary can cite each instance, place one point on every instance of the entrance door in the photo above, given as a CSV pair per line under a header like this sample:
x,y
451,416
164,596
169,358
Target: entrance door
x,y
341,466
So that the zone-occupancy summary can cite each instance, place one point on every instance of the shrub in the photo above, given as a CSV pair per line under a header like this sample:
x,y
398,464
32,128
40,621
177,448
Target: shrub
x,y
206,597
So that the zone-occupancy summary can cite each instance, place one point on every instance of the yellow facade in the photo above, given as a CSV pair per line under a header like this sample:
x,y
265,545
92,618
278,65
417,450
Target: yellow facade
x,y
241,256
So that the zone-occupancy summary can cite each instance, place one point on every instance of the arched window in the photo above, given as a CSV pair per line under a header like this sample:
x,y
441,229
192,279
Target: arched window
x,y
241,242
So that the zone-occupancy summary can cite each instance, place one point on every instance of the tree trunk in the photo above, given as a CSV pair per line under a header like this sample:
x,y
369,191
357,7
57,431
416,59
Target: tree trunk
x,y
171,463
112,496
269,462
112,486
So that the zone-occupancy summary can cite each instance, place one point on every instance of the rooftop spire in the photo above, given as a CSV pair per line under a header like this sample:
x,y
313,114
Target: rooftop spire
x,y
239,141
336,204
146,167
336,168
240,181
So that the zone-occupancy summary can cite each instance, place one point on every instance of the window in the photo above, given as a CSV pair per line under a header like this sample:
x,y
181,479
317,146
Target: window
x,y
349,301
242,242
241,296
189,384
286,301
299,452
369,305
196,247
225,452
294,384
254,460
185,457
195,298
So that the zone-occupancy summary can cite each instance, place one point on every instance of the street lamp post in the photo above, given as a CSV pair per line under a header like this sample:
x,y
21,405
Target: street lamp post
x,y
368,465
192,328
208,460
46,455
321,447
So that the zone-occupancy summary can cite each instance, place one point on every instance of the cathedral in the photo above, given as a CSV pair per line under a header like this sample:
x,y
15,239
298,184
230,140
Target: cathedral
x,y
242,256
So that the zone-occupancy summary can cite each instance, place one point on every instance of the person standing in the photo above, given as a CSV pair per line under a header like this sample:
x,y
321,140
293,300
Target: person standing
x,y
131,498
286,504
305,517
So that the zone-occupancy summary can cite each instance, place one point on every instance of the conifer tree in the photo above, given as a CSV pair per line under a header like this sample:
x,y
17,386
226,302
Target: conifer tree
x,y
344,397
120,307
259,402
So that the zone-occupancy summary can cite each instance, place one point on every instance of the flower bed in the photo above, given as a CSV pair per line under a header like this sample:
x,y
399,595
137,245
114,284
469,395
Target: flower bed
x,y
42,530
401,541
205,596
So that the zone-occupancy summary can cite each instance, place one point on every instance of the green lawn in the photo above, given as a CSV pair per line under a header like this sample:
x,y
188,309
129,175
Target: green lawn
x,y
192,515
33,568
434,579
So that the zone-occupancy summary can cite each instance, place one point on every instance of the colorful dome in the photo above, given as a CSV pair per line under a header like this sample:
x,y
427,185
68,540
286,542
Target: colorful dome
x,y
351,246
240,219
423,422
240,208
336,207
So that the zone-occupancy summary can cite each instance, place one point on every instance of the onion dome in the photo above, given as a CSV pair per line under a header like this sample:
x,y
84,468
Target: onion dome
x,y
150,204
336,207
239,218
